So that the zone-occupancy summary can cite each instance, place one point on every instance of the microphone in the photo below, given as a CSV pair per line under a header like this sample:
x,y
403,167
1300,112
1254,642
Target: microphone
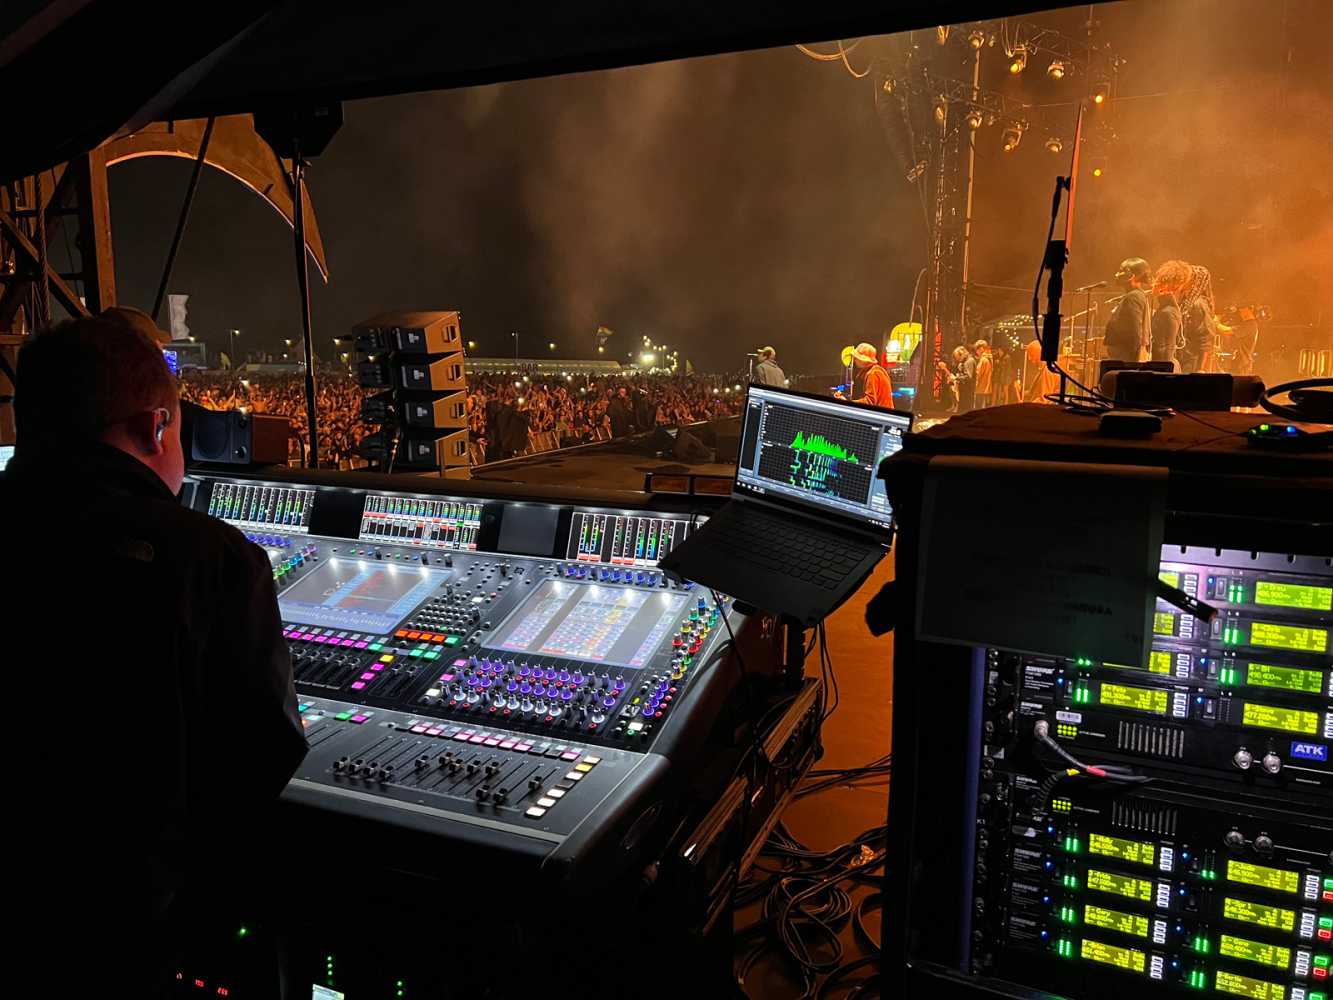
x,y
1095,284
753,354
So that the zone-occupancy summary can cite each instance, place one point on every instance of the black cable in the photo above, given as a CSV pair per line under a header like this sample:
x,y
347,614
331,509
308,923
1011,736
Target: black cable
x,y
1315,407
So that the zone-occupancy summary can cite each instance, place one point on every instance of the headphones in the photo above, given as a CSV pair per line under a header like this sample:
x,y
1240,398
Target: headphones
x,y
162,424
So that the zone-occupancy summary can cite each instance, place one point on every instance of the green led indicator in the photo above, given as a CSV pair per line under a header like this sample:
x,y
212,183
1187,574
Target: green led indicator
x,y
1201,945
1070,881
243,932
1064,948
1198,979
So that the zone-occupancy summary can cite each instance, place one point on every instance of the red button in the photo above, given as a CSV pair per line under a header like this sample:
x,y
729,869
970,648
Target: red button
x,y
1320,973
1328,895
1325,935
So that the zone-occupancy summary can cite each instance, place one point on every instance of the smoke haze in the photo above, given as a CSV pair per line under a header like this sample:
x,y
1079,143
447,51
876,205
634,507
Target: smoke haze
x,y
716,204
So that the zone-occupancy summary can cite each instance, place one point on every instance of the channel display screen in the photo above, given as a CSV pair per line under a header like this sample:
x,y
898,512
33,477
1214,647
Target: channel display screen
x,y
617,626
1262,876
1255,951
1109,954
1244,986
1260,914
1120,885
1288,720
358,596
1135,851
1300,638
1285,678
1293,595
1115,920
1137,698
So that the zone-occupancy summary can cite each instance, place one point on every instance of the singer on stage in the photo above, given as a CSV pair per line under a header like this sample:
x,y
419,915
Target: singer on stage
x,y
1128,334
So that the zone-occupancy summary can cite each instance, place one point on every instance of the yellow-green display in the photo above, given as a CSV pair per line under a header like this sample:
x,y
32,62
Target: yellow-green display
x,y
1293,595
1110,954
1120,885
1114,920
1263,876
1302,638
1288,720
1259,914
1255,951
1284,678
1137,698
1244,986
1136,851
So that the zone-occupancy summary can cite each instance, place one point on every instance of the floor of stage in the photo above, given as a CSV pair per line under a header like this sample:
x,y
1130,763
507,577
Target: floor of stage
x,y
858,733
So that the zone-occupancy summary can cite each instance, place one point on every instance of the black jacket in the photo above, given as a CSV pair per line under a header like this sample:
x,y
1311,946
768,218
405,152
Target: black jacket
x,y
158,720
1165,330
1128,326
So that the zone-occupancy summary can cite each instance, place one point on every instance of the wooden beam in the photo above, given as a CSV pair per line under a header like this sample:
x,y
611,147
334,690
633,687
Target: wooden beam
x,y
95,253
23,248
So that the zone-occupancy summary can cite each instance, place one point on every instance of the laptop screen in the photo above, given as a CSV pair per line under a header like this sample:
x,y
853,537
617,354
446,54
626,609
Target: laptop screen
x,y
820,454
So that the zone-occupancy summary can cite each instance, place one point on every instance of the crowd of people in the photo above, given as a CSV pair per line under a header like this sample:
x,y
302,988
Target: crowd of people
x,y
337,401
577,409
504,411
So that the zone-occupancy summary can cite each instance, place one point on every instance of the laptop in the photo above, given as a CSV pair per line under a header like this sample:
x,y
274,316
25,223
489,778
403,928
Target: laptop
x,y
808,518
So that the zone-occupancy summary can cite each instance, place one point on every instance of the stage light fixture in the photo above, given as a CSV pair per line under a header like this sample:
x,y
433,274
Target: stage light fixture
x,y
1054,144
1020,62
976,40
1011,137
1056,70
888,85
974,119
1098,170
942,34
1101,92
940,111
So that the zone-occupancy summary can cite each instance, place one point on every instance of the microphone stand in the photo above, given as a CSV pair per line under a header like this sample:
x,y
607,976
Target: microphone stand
x,y
1057,256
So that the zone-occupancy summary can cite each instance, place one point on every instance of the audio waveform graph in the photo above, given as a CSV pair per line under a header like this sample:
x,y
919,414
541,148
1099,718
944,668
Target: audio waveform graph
x,y
823,456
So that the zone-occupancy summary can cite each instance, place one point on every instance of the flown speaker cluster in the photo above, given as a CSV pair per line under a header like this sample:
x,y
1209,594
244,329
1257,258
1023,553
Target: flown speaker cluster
x,y
415,360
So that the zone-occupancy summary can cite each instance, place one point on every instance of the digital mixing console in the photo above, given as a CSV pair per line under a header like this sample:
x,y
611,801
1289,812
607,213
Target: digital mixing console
x,y
504,672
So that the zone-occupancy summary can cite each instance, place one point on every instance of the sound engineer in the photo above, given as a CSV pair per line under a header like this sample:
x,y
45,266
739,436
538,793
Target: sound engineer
x,y
158,634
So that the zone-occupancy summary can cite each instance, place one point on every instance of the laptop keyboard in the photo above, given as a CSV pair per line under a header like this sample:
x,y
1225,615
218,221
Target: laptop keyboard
x,y
781,545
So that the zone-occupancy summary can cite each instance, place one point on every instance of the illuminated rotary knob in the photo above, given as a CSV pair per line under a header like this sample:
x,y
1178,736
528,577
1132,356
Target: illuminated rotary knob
x,y
1243,759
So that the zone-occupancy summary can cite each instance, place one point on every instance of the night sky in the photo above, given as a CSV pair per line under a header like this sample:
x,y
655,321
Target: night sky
x,y
718,204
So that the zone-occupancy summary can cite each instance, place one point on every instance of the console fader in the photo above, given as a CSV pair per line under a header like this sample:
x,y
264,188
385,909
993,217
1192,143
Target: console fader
x,y
510,673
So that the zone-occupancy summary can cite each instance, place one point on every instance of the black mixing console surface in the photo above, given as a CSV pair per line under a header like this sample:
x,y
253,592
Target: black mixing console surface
x,y
517,673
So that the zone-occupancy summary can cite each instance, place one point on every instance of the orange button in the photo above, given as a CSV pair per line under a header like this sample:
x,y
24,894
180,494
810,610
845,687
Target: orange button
x,y
401,633
414,635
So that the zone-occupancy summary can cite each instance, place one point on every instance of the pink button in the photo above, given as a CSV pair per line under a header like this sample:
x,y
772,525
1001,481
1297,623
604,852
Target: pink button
x,y
477,739
434,731
506,744
462,737
569,755
523,747
346,642
446,677
358,685
491,742
460,663
418,729
377,667
358,719
360,645
367,676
